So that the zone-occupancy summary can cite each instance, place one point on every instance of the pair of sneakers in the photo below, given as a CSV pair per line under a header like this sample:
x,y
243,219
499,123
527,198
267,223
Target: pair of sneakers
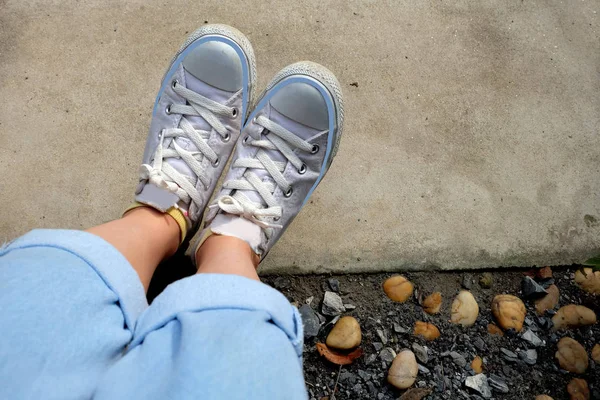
x,y
286,140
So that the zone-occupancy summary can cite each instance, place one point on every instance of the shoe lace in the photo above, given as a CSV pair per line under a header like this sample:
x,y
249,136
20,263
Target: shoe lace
x,y
161,173
272,138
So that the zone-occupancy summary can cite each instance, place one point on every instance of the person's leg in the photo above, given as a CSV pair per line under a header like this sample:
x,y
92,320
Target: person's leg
x,y
69,302
221,334
216,335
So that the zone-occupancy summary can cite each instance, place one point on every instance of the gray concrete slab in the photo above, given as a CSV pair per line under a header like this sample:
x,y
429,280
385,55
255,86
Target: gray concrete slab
x,y
472,135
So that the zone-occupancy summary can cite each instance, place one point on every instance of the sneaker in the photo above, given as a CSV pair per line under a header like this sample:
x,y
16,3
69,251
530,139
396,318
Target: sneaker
x,y
201,105
286,147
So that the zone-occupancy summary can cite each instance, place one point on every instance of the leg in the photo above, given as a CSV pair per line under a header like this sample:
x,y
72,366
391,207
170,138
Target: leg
x,y
215,335
68,304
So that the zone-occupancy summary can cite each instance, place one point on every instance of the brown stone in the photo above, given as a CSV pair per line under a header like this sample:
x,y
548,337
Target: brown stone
x,y
571,356
494,330
403,371
398,288
477,365
549,301
543,397
573,316
464,309
433,303
544,273
578,389
588,280
426,330
345,335
509,311
596,353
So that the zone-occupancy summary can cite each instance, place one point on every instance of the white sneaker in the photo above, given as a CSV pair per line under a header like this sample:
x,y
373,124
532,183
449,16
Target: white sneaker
x,y
286,147
200,108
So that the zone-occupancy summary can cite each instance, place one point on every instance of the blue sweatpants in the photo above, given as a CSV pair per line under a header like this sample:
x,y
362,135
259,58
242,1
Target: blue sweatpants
x,y
75,324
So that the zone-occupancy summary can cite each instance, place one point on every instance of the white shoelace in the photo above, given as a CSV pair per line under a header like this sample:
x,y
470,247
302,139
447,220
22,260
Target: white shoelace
x,y
165,176
275,138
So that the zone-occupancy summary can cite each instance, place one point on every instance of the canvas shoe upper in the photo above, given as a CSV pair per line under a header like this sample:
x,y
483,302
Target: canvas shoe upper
x,y
203,100
285,149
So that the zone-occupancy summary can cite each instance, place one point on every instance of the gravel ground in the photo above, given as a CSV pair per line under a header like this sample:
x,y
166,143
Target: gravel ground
x,y
366,377
443,373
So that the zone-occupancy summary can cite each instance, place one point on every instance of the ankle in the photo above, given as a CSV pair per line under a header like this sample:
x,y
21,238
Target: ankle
x,y
227,255
166,227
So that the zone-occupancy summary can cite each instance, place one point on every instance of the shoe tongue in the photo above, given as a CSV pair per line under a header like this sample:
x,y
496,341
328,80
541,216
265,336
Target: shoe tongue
x,y
210,92
302,131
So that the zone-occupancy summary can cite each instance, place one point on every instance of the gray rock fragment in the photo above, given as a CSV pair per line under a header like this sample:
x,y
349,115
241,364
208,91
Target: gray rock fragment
x,y
532,338
498,384
479,383
529,356
458,359
332,304
387,355
421,352
310,320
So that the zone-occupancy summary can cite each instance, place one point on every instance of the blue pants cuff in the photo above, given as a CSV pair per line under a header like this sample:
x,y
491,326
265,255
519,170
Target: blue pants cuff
x,y
110,265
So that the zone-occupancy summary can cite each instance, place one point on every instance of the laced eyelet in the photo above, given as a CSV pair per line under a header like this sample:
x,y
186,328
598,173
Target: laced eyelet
x,y
174,83
288,192
275,219
216,163
168,109
234,112
315,149
302,169
226,138
254,120
245,141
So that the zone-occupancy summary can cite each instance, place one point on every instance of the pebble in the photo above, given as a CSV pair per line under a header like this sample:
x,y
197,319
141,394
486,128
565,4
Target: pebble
x,y
531,289
544,273
498,384
477,365
403,372
371,359
421,352
588,280
345,334
398,288
479,383
543,397
596,353
571,356
485,280
282,283
532,338
479,344
382,336
508,355
464,309
399,329
578,389
349,307
494,330
424,370
332,304
529,356
467,281
364,375
458,359
387,355
573,316
509,311
378,346
433,303
310,320
334,284
426,330
347,376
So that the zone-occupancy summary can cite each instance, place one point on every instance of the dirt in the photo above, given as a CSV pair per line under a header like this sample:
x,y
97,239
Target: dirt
x,y
375,311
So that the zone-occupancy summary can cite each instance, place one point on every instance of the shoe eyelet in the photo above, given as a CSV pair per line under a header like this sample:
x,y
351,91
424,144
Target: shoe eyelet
x,y
315,149
168,109
254,120
234,112
275,219
226,138
288,192
216,163
302,169
174,83
245,141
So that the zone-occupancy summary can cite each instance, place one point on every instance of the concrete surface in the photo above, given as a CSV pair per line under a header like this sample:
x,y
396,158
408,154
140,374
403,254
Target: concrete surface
x,y
472,135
